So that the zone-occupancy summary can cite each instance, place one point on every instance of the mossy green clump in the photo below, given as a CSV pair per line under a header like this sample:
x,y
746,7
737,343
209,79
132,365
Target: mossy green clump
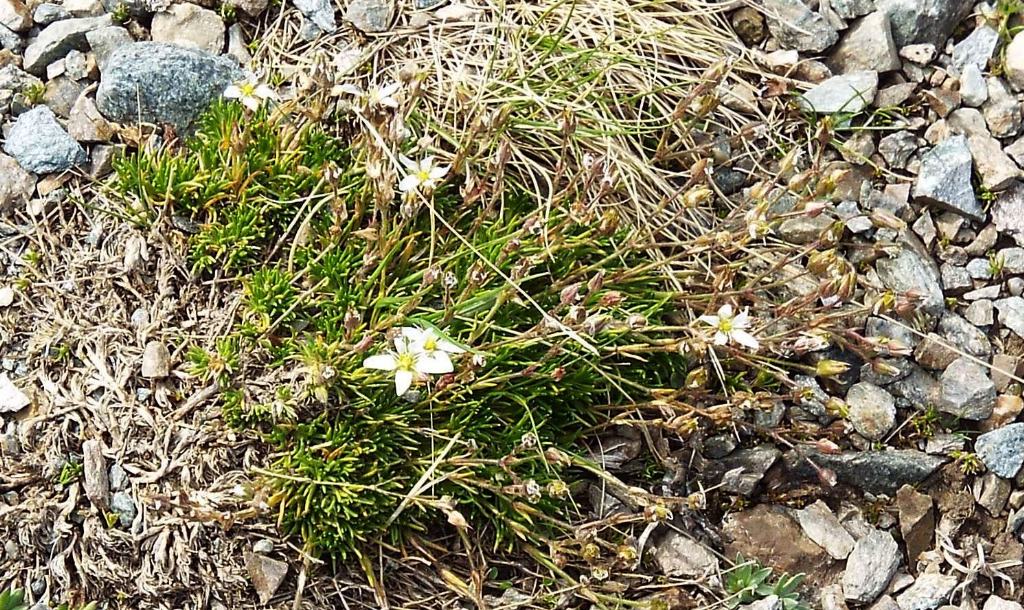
x,y
561,312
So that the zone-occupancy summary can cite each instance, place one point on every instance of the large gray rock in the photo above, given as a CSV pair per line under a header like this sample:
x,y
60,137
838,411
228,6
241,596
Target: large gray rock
x,y
798,27
964,335
965,390
912,270
1013,63
1011,314
1008,212
870,567
680,555
14,15
319,14
1001,110
996,168
924,21
822,527
745,469
162,83
57,39
976,49
877,472
945,178
867,45
371,15
872,410
1002,450
847,93
39,143
928,592
189,25
104,41
16,185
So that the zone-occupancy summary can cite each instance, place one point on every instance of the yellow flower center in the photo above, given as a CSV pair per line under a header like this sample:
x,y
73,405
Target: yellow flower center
x,y
247,89
725,324
423,175
430,344
406,362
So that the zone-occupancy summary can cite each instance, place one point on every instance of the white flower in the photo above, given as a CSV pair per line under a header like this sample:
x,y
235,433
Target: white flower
x,y
422,174
428,344
250,92
407,363
373,97
729,327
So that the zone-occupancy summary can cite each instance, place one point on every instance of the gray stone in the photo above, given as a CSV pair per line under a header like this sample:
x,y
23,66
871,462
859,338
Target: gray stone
x,y
1008,213
371,15
847,93
966,391
86,124
968,122
40,144
745,469
237,46
870,567
994,602
996,168
16,184
124,506
1002,110
896,148
1013,62
964,336
980,313
933,353
928,592
679,555
921,54
913,270
917,521
15,16
1002,450
266,575
804,229
118,477
824,529
772,602
973,88
955,280
57,39
94,471
189,25
104,41
1011,314
319,16
47,12
851,9
945,179
253,8
866,45
976,49
877,472
872,410
162,83
924,21
796,26
61,93
10,40
1011,259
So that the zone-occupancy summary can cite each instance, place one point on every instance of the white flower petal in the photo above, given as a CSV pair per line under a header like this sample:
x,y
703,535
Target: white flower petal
x,y
265,92
434,363
233,92
388,102
251,103
725,311
745,339
711,320
349,88
409,183
390,90
403,381
721,338
742,320
413,335
381,362
439,172
449,347
408,163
